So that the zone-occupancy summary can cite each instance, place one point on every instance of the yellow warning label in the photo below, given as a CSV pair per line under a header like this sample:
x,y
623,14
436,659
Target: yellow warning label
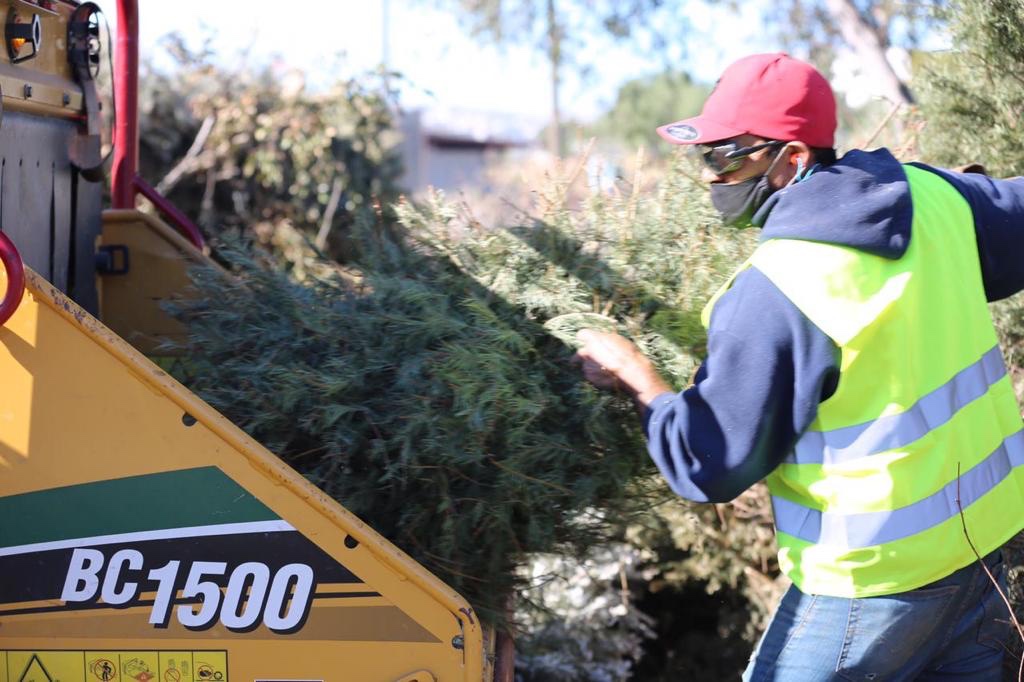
x,y
113,666
176,666
140,666
211,666
45,666
102,666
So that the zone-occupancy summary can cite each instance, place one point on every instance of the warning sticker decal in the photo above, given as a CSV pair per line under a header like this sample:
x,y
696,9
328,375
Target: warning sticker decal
x,y
114,666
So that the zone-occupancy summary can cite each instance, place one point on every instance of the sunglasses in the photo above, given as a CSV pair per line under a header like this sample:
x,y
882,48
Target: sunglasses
x,y
725,158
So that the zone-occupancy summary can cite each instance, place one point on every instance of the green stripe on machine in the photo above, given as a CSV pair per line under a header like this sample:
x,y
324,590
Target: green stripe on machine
x,y
173,499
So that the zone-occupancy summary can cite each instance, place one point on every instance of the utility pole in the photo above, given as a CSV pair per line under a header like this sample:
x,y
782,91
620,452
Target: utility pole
x,y
555,142
385,41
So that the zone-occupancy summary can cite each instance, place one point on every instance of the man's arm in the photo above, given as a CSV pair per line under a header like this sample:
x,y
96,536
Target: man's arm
x,y
766,371
998,208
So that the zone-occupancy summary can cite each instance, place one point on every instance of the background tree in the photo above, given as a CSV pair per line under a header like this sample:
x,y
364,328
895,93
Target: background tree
x,y
973,96
819,28
868,28
558,27
643,104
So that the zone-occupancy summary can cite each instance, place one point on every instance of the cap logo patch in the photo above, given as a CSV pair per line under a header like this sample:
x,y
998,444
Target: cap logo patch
x,y
683,133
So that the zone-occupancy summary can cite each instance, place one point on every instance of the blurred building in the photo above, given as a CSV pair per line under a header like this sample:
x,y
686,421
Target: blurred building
x,y
452,150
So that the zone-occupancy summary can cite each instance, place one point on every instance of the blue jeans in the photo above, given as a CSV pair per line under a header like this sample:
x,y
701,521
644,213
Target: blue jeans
x,y
952,629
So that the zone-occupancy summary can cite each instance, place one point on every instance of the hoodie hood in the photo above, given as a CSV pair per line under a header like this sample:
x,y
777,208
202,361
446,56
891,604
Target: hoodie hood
x,y
861,201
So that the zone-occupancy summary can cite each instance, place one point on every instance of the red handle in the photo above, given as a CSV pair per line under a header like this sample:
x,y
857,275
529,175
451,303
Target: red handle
x,y
11,259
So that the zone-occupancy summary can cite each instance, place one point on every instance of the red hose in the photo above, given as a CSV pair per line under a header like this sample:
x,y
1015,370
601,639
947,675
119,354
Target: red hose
x,y
126,96
177,219
125,182
11,260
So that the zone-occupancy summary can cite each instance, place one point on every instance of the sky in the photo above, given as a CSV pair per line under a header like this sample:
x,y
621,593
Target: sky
x,y
444,65
445,68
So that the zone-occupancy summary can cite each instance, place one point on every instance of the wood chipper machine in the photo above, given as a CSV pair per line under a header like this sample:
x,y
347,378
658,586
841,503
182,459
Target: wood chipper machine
x,y
143,536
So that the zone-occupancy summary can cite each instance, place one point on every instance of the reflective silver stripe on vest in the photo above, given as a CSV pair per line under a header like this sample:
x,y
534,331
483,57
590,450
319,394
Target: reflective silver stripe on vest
x,y
898,430
874,528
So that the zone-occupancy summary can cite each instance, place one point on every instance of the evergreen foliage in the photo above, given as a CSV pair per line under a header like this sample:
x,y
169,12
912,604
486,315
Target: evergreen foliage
x,y
972,97
431,393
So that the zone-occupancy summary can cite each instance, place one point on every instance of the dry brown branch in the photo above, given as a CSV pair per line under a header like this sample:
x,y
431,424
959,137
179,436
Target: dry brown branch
x,y
721,517
634,196
548,484
764,589
580,165
206,213
695,179
188,162
881,126
911,135
623,584
332,207
995,583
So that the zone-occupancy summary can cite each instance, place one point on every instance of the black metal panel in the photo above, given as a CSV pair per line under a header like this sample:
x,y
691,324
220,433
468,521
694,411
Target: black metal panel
x,y
86,223
35,184
51,214
60,208
32,244
26,142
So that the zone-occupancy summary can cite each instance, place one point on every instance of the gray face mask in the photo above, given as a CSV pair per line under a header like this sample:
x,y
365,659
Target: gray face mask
x,y
739,202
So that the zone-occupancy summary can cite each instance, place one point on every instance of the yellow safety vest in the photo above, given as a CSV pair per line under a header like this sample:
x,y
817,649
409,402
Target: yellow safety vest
x,y
923,422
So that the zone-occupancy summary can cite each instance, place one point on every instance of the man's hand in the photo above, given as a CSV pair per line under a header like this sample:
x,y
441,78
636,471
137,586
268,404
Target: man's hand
x,y
611,361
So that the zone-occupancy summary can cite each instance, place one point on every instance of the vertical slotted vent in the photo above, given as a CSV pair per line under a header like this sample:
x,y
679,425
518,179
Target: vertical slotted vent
x,y
53,230
73,240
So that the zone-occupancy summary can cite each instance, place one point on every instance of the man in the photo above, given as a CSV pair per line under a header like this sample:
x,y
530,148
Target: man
x,y
852,364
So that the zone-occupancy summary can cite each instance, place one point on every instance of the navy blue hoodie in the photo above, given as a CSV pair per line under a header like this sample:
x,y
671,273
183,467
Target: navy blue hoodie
x,y
768,367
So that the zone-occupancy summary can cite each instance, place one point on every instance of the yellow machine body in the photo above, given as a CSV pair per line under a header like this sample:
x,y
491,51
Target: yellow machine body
x,y
151,267
143,536
44,83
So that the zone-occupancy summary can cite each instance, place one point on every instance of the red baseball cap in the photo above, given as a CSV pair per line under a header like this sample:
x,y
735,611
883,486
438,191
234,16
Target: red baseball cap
x,y
769,95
